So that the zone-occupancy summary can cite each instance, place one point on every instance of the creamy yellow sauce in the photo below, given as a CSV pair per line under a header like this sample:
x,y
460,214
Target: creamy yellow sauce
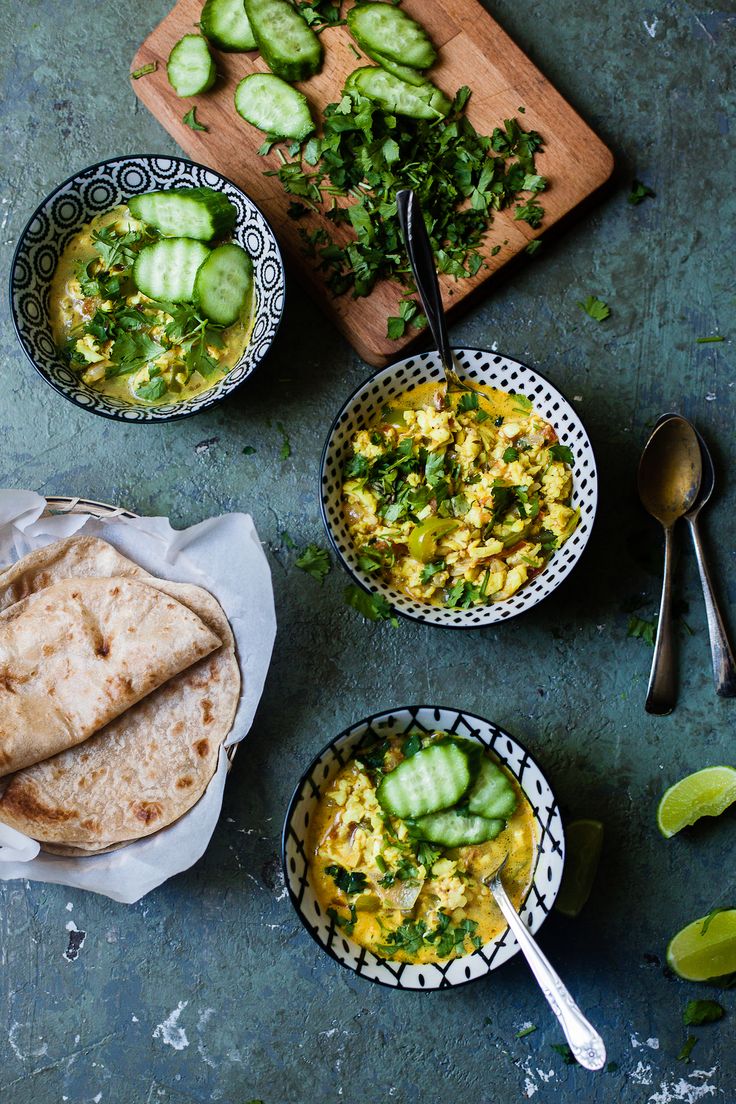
x,y
71,310
473,510
349,830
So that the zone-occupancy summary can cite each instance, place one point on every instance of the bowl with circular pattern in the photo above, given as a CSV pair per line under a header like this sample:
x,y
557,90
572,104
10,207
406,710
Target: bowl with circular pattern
x,y
547,866
489,369
92,192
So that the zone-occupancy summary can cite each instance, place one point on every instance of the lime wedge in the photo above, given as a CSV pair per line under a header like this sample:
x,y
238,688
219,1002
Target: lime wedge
x,y
698,957
583,840
706,793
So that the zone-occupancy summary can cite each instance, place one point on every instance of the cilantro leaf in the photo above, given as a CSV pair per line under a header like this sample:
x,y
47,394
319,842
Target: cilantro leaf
x,y
639,192
395,327
347,923
191,120
566,1054
427,855
467,401
315,561
687,1049
156,388
131,352
510,455
248,450
412,744
285,450
348,881
641,629
702,1011
373,607
563,453
595,307
709,340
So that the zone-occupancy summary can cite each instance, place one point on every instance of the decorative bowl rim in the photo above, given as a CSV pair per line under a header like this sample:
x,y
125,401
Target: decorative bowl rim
x,y
398,607
60,390
367,722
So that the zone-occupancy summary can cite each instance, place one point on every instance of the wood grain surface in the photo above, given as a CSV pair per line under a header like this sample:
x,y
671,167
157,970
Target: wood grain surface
x,y
473,50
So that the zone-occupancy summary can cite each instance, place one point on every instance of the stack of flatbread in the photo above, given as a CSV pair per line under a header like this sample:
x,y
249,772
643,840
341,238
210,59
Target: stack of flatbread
x,y
117,690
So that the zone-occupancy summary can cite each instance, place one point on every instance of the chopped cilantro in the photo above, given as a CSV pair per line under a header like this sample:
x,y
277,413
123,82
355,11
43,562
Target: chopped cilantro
x,y
348,881
320,13
409,312
315,561
373,607
528,1030
131,352
191,120
687,1049
427,855
412,744
248,450
595,307
467,401
347,923
510,455
641,629
285,450
533,246
565,1053
429,570
639,192
144,70
702,1011
563,453
709,340
287,540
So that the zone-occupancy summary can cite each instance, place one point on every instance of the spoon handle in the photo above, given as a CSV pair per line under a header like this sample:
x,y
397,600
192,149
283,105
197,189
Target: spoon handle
x,y
724,666
421,259
585,1042
662,689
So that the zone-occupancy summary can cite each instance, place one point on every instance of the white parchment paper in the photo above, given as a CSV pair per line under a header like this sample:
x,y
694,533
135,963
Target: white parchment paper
x,y
223,555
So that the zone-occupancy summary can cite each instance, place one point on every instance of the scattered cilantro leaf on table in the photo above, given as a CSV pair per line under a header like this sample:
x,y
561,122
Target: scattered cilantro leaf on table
x,y
701,1012
285,450
315,561
595,307
287,540
248,450
373,607
641,629
191,120
687,1049
565,1053
528,1030
639,192
709,340
533,246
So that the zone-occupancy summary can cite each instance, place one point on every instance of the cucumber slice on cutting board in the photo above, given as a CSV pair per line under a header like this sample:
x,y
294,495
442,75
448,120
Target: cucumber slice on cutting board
x,y
226,25
223,284
273,106
190,67
168,268
452,829
201,213
423,101
287,44
435,778
403,72
383,30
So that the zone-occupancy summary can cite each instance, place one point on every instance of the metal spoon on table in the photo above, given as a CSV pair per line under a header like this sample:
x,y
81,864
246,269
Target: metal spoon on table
x,y
724,666
669,477
585,1042
421,259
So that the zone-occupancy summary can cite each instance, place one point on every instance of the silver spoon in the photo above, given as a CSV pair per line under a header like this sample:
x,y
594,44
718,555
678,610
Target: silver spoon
x,y
724,666
421,259
669,479
585,1042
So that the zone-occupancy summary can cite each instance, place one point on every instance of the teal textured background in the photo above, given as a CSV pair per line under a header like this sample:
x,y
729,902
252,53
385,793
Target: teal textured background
x,y
258,1012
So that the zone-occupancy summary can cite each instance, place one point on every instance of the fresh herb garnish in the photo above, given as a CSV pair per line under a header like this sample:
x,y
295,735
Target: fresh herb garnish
x,y
248,450
430,570
533,246
373,607
348,881
510,455
427,855
131,352
315,561
287,540
409,312
467,401
709,340
563,453
639,192
347,923
565,1053
191,120
320,13
642,629
285,450
595,307
528,1030
156,388
144,70
701,1012
687,1048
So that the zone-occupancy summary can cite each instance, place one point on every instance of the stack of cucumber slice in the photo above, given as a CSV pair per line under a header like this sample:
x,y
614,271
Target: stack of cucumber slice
x,y
180,267
449,794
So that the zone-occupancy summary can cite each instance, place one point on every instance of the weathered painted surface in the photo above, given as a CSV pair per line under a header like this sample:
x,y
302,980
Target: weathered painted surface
x,y
208,989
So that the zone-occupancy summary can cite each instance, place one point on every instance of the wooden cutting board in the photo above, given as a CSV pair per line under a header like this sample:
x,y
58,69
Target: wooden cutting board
x,y
473,50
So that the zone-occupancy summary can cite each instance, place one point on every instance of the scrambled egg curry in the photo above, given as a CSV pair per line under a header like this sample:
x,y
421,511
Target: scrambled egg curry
x,y
457,499
404,898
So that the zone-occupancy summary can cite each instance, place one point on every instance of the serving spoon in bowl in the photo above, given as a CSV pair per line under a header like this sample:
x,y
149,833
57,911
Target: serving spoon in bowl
x,y
424,270
583,1039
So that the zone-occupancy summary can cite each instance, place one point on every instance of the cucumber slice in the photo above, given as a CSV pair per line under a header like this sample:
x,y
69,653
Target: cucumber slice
x,y
491,794
388,31
273,106
200,213
424,101
167,269
223,284
453,830
434,778
226,25
190,67
288,45
403,72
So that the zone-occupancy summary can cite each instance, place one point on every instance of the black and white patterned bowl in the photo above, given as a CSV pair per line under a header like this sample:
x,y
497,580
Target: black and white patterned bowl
x,y
478,366
550,856
91,192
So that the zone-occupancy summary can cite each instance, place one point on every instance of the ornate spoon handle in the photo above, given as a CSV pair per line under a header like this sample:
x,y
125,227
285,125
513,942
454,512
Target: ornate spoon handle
x,y
585,1042
724,666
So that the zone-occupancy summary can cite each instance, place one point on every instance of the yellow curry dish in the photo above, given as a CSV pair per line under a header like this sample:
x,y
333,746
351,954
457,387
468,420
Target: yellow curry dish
x,y
458,499
403,838
148,304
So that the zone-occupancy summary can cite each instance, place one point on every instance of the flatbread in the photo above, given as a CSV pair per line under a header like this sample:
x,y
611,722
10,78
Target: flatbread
x,y
145,769
78,653
71,558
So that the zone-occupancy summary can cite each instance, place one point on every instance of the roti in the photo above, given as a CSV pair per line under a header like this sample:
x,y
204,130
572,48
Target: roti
x,y
78,653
